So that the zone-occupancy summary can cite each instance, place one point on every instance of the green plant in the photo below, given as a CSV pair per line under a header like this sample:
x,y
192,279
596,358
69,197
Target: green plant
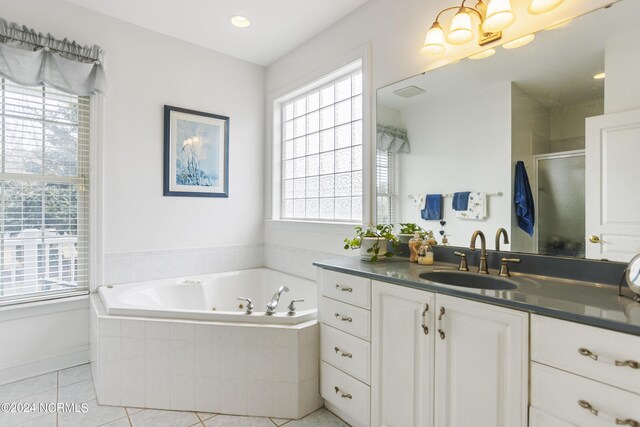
x,y
410,228
381,231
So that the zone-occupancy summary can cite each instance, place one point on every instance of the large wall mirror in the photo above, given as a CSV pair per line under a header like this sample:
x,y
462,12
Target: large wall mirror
x,y
563,105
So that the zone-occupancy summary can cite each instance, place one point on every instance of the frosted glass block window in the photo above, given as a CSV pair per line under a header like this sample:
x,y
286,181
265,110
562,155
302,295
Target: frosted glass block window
x,y
321,151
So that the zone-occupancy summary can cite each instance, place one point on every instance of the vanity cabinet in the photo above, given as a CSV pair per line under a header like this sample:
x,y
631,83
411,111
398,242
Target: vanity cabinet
x,y
402,356
444,361
345,347
583,375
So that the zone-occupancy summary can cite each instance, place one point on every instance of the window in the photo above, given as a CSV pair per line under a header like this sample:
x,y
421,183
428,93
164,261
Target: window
x,y
44,135
388,187
321,149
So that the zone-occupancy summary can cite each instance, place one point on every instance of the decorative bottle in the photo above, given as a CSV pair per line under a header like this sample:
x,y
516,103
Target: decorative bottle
x,y
414,245
425,254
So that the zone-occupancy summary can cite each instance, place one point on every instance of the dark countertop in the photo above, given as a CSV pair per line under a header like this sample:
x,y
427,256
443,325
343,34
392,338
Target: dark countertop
x,y
595,304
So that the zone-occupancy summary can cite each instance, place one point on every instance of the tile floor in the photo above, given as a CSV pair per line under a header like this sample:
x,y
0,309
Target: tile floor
x,y
75,385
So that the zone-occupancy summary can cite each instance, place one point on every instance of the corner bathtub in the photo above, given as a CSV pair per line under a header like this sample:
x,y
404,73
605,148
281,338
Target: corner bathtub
x,y
213,297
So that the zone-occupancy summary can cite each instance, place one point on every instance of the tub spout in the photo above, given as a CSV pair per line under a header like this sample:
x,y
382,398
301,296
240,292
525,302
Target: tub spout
x,y
271,305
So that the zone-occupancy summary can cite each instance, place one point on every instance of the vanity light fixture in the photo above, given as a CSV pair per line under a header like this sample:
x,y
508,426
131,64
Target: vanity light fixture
x,y
536,7
240,21
494,17
559,25
484,54
522,41
599,76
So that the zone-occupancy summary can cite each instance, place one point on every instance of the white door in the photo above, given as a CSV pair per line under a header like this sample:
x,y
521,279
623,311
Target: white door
x,y
482,358
402,356
612,175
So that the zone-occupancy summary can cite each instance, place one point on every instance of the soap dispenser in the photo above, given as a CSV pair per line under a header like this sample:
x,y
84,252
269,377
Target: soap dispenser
x,y
414,245
425,254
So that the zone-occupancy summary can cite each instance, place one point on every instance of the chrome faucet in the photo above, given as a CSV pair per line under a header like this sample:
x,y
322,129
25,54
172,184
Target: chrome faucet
x,y
482,268
506,238
271,305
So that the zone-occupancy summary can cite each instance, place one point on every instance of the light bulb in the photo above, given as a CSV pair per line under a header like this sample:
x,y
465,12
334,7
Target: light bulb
x,y
599,76
537,7
499,16
514,44
460,32
434,42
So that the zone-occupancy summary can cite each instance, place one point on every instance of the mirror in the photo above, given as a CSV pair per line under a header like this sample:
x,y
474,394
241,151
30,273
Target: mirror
x,y
633,275
544,104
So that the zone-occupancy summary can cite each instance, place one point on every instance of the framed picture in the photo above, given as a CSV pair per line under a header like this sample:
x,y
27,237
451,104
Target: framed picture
x,y
196,153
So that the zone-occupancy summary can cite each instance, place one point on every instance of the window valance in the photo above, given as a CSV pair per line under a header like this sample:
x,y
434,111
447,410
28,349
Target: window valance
x,y
31,58
393,139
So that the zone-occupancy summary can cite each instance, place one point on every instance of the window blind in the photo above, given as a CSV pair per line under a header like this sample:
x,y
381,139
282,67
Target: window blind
x,y
387,187
322,152
44,188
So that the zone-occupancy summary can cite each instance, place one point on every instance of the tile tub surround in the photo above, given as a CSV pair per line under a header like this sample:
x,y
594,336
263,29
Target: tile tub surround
x,y
74,385
257,370
139,266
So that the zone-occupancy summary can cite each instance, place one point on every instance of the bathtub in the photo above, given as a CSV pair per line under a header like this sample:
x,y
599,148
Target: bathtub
x,y
214,297
186,344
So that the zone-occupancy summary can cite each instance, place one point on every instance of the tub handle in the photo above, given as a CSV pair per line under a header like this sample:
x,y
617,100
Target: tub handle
x,y
249,305
344,319
292,306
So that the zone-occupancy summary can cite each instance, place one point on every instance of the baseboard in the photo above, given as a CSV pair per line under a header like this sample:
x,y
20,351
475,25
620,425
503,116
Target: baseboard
x,y
344,417
46,363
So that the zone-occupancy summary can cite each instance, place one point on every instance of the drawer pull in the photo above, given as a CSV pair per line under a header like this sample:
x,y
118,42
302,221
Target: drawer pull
x,y
588,353
619,421
343,395
342,353
344,319
344,289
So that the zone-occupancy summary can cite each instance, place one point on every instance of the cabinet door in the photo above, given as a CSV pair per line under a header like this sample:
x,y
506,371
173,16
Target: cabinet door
x,y
402,356
481,372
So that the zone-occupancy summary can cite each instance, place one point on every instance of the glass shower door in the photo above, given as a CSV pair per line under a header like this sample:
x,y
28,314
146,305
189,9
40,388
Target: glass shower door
x,y
560,204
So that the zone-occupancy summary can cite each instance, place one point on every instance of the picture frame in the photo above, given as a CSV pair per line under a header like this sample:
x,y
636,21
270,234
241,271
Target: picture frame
x,y
196,153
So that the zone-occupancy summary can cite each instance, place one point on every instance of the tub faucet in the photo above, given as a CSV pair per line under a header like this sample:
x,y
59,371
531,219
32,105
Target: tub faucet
x,y
482,268
506,237
271,305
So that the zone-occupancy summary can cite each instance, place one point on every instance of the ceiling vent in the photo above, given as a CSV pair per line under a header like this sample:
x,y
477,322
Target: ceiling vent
x,y
409,91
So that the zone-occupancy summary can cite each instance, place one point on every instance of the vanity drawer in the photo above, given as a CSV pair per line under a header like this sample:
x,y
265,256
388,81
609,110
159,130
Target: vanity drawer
x,y
346,393
558,343
345,287
558,393
347,318
346,352
542,419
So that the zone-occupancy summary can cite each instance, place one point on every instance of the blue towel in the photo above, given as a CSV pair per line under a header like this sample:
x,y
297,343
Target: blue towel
x,y
523,199
460,201
433,208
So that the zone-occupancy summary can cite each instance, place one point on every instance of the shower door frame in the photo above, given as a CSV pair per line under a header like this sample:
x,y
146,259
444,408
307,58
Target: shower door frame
x,y
536,159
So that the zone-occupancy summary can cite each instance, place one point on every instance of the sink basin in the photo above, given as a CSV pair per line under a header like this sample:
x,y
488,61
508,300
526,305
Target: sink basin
x,y
469,280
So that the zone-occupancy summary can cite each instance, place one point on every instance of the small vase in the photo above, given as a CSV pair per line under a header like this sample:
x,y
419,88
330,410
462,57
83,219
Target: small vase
x,y
368,243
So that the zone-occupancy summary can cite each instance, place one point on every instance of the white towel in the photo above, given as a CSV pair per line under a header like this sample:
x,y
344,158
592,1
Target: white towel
x,y
419,200
477,208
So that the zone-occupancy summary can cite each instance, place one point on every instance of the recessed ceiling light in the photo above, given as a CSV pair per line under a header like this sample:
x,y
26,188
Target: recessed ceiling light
x,y
240,21
599,76
484,54
514,44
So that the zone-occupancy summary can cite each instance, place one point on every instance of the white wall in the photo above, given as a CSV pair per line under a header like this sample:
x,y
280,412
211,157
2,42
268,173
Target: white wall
x,y
144,232
395,31
446,157
622,67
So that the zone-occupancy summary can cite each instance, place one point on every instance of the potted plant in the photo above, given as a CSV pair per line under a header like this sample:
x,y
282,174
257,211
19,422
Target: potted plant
x,y
372,242
408,230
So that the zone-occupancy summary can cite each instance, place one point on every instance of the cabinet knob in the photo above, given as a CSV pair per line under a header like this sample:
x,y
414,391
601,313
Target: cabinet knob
x,y
595,239
344,288
342,353
621,363
618,421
